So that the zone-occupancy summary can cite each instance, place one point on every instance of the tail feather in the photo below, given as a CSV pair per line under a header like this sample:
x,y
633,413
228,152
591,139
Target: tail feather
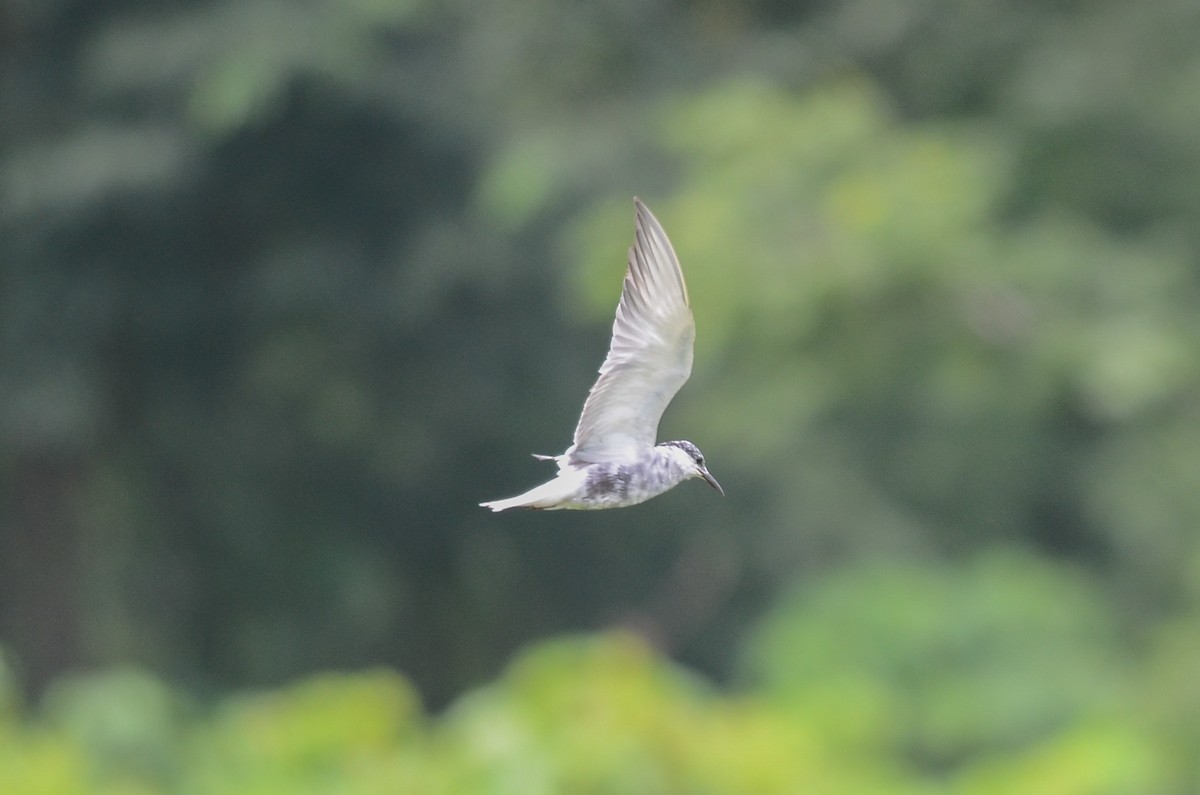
x,y
549,496
503,505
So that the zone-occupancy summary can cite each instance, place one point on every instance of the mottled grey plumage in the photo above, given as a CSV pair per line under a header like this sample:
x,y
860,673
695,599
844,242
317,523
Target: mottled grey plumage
x,y
613,460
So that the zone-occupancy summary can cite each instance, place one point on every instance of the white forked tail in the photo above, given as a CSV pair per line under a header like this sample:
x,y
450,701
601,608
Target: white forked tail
x,y
549,496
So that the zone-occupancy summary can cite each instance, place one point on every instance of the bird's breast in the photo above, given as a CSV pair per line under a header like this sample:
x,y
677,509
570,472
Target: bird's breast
x,y
610,481
614,484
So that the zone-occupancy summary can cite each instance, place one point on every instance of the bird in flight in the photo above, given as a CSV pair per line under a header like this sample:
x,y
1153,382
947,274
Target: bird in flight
x,y
613,461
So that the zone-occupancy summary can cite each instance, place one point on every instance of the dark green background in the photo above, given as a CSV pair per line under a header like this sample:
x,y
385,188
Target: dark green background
x,y
287,288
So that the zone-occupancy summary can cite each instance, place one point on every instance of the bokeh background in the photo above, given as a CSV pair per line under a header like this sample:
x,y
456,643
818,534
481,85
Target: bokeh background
x,y
286,288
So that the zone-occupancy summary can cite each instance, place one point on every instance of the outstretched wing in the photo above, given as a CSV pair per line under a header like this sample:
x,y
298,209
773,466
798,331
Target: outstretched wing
x,y
650,357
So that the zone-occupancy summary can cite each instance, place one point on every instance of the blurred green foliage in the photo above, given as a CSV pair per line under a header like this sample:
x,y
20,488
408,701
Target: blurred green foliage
x,y
1002,674
287,289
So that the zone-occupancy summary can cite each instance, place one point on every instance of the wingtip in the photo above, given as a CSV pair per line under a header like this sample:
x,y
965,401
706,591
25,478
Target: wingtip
x,y
649,227
646,219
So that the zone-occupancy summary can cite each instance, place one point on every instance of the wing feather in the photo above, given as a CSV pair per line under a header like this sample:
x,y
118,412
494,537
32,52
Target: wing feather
x,y
650,357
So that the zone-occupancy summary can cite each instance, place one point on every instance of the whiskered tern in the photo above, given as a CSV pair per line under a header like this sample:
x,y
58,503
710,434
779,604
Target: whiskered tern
x,y
613,461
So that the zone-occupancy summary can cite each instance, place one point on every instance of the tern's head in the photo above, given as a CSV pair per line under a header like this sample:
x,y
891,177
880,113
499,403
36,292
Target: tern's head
x,y
692,460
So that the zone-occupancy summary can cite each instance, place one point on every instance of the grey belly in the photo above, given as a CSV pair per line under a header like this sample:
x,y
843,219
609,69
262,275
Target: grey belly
x,y
615,486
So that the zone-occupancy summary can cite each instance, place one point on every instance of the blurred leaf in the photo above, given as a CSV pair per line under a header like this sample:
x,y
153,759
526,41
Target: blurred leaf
x,y
942,663
127,722
1091,759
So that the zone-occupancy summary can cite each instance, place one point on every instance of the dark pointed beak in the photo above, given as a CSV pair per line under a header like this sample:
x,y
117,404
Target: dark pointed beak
x,y
710,480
